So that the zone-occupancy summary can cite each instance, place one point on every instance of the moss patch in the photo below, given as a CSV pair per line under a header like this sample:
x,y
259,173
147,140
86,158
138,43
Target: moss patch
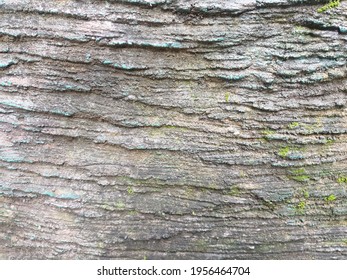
x,y
300,207
234,191
301,178
226,97
283,152
130,191
332,4
293,125
267,133
330,198
299,175
342,179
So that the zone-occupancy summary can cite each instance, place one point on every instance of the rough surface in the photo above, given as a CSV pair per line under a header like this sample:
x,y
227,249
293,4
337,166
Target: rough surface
x,y
173,129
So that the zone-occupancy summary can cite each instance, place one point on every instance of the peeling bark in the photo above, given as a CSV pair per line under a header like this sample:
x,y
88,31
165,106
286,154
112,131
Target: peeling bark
x,y
173,129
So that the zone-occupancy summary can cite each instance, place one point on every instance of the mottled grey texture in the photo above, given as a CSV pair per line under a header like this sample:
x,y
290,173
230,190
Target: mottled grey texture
x,y
172,129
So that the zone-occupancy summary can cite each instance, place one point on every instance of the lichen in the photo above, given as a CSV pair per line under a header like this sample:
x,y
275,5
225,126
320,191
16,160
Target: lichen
x,y
133,213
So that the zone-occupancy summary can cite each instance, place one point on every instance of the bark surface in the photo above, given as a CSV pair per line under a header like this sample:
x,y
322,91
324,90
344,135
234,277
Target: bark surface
x,y
173,129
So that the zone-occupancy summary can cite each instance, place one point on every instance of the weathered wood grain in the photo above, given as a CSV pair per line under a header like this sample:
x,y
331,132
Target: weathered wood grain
x,y
171,129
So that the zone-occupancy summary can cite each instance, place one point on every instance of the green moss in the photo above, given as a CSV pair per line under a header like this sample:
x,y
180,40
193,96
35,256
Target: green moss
x,y
306,194
6,83
113,207
342,179
201,245
332,4
269,204
330,198
195,96
299,171
268,134
234,191
283,152
133,212
130,191
226,97
293,125
243,174
300,207
120,205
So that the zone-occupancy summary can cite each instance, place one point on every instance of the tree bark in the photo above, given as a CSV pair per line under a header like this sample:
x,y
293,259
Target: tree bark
x,y
173,129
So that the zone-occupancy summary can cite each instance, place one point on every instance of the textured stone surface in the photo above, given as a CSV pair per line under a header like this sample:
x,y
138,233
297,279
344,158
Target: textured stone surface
x,y
171,129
